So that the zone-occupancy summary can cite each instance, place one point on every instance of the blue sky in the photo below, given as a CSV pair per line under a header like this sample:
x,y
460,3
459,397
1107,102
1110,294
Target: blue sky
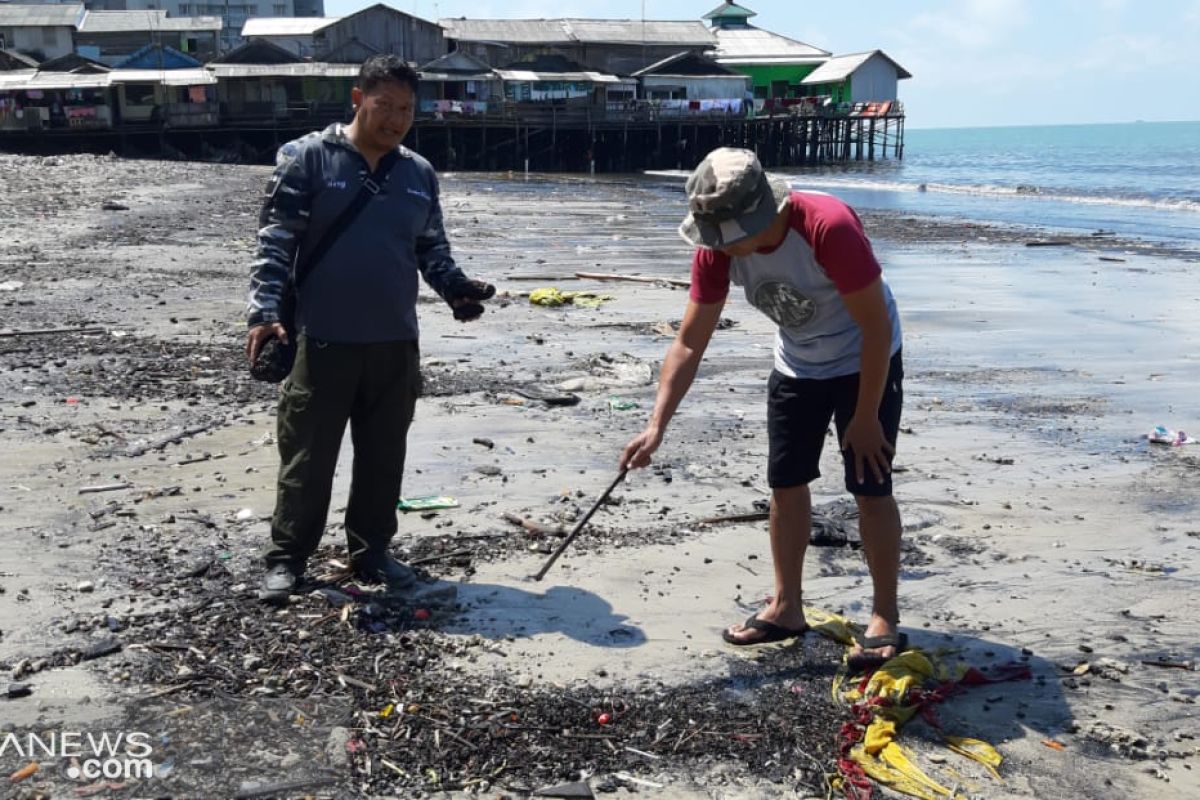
x,y
975,62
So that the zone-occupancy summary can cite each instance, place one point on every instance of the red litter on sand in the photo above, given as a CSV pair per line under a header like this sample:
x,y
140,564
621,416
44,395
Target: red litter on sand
x,y
421,614
604,718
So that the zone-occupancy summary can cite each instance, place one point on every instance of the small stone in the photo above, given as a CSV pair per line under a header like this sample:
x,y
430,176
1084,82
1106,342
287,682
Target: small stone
x,y
251,662
336,747
85,586
524,681
16,690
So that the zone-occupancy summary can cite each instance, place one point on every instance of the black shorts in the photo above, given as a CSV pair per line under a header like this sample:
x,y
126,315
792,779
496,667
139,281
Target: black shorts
x,y
798,414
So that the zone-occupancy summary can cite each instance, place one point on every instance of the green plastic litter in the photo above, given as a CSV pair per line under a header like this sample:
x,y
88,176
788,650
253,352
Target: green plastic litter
x,y
431,502
621,404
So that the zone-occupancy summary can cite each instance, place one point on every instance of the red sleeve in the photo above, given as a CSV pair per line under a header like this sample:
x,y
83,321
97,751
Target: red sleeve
x,y
710,276
838,240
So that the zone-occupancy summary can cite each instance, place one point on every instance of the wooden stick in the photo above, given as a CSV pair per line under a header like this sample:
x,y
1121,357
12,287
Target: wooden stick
x,y
579,526
175,438
107,487
608,276
757,516
1169,664
49,332
439,557
249,790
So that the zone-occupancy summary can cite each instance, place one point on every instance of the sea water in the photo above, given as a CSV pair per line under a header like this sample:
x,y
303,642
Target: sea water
x,y
1135,179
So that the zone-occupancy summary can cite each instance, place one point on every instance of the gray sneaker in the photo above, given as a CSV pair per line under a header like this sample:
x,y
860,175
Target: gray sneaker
x,y
278,584
382,568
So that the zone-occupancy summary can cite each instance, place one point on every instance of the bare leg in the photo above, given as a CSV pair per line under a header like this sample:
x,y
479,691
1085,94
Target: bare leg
x,y
879,524
791,525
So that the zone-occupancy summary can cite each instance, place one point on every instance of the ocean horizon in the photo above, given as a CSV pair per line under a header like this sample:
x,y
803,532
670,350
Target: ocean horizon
x,y
1137,178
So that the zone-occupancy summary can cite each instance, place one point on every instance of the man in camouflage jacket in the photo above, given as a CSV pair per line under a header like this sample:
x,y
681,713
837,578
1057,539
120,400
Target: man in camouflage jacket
x,y
355,322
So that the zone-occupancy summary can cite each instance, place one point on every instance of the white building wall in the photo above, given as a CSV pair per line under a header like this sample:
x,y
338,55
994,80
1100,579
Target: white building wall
x,y
52,41
874,81
733,87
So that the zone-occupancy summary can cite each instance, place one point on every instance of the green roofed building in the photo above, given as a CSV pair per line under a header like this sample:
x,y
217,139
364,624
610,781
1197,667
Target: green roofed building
x,y
777,65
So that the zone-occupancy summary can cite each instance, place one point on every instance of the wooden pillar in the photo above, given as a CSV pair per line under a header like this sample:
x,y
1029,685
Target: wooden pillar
x,y
625,145
871,140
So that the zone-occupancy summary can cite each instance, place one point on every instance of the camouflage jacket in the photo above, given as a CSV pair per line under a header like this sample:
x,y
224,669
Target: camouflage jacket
x,y
364,289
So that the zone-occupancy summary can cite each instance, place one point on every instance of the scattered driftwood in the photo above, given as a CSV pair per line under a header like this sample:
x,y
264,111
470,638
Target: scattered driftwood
x,y
49,332
1169,664
608,276
1113,259
107,487
251,790
757,516
135,450
440,557
536,528
1049,243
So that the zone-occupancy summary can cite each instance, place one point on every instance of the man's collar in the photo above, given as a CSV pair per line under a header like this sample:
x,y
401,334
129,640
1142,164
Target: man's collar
x,y
336,134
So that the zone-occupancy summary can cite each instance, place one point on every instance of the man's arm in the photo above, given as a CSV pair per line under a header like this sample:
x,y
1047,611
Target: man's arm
x,y
438,268
678,372
283,222
433,249
864,435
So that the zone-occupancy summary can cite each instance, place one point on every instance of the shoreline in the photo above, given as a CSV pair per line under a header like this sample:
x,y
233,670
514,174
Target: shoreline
x,y
1036,519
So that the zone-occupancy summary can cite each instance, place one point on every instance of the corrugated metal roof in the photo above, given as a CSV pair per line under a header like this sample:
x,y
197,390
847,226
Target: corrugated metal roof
x,y
838,68
754,45
456,77
713,69
285,26
51,15
730,10
625,31
14,76
457,61
55,80
570,31
314,69
28,79
198,76
560,77
19,58
127,21
513,31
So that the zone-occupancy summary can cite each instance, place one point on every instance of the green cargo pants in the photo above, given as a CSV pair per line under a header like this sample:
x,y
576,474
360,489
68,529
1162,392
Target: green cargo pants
x,y
375,388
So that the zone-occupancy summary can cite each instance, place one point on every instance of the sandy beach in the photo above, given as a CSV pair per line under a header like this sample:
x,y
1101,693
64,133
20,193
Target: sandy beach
x,y
1041,527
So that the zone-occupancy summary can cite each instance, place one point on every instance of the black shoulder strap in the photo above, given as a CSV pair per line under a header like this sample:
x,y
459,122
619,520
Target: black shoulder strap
x,y
370,187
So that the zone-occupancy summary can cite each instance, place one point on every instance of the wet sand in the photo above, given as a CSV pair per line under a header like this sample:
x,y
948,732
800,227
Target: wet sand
x,y
1041,525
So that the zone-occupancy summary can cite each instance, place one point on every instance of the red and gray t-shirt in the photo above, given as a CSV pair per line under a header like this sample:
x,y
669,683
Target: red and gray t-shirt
x,y
799,285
